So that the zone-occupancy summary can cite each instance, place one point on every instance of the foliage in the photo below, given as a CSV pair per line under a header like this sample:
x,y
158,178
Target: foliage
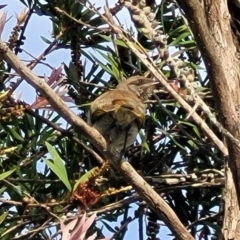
x,y
41,161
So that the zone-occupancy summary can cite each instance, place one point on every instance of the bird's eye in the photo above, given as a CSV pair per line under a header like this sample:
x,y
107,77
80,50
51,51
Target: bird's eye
x,y
140,81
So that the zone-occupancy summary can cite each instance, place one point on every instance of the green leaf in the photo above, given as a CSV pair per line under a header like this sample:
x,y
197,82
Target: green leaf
x,y
195,128
6,174
117,41
103,66
144,141
86,15
115,67
3,216
192,144
179,39
13,133
112,62
91,71
84,177
46,40
2,190
57,166
109,228
72,74
179,30
61,175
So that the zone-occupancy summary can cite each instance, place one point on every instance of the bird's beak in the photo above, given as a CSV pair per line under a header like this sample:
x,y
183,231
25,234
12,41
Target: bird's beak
x,y
151,84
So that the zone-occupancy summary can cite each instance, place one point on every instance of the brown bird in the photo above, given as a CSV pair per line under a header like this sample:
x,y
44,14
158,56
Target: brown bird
x,y
120,113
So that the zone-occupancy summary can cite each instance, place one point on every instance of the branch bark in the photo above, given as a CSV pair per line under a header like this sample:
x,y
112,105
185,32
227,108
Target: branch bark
x,y
210,24
142,188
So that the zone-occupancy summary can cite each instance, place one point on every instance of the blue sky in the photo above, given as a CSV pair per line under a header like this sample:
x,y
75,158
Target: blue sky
x,y
37,27
41,26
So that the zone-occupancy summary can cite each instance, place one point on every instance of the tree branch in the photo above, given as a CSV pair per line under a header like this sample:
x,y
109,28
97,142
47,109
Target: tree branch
x,y
148,62
210,24
144,190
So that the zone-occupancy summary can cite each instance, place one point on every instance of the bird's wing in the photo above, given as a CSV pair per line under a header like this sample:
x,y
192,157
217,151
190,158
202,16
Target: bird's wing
x,y
136,108
113,101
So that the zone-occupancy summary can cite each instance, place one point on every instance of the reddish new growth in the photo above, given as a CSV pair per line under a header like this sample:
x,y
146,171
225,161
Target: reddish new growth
x,y
85,195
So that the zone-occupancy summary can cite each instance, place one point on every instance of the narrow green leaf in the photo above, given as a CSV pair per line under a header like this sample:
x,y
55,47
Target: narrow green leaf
x,y
6,174
46,40
84,177
3,216
179,30
57,166
14,134
72,74
86,15
117,41
91,72
103,66
112,62
105,56
172,137
144,141
61,175
2,190
115,67
195,128
86,54
179,39
109,228
55,156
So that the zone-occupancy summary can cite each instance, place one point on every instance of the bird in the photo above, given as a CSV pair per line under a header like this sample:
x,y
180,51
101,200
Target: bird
x,y
119,114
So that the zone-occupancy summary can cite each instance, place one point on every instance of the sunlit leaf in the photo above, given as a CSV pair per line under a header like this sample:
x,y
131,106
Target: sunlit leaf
x,y
57,166
3,216
84,177
6,174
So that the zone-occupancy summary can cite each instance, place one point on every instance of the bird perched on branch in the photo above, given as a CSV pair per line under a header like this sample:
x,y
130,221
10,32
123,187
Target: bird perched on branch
x,y
120,113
